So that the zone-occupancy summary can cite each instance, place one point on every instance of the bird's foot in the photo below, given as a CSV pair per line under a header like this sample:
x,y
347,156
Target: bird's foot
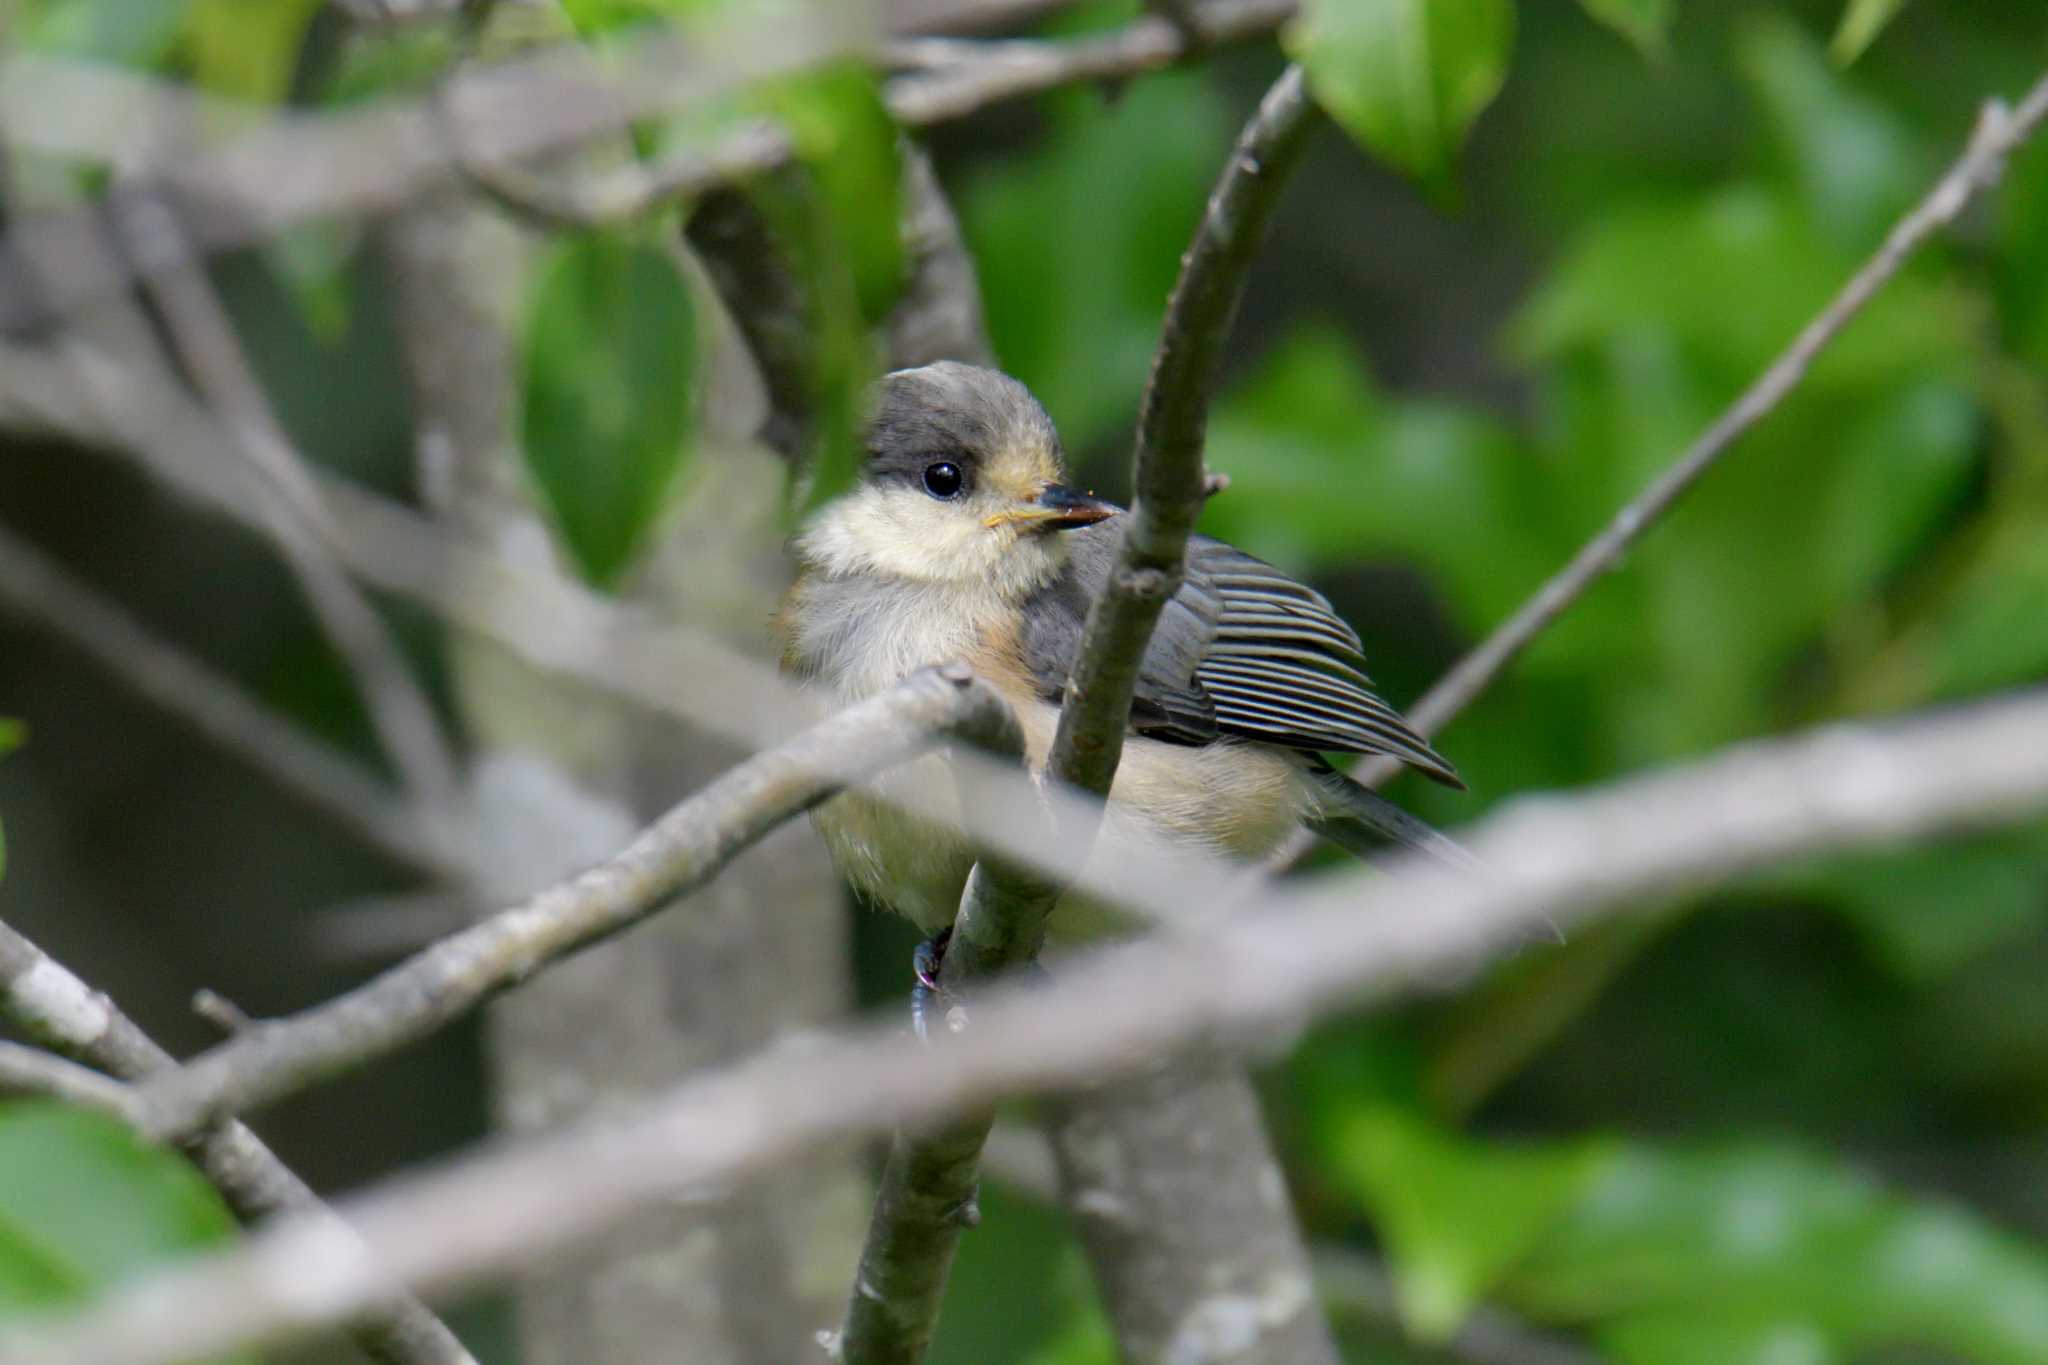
x,y
929,1000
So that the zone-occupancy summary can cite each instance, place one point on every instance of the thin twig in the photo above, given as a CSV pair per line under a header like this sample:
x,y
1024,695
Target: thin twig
x,y
557,625
30,1072
1998,133
44,999
1354,941
928,1192
999,71
928,1184
679,852
35,588
294,515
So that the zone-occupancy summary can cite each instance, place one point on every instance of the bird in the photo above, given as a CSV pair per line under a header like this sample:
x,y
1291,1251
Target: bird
x,y
963,540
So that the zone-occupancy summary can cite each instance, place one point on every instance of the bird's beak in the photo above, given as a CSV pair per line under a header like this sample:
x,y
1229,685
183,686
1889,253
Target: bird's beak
x,y
1057,508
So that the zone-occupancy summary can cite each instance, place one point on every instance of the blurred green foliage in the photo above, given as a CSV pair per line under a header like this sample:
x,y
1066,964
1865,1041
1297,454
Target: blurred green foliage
x,y
1875,545
1802,1120
86,1204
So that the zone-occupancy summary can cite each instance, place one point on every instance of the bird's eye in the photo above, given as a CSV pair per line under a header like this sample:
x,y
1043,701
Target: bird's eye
x,y
943,480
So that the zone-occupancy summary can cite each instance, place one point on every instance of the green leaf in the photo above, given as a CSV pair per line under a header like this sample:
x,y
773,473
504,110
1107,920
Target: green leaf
x,y
1784,1242
1646,23
84,1203
137,33
1455,1217
246,49
1862,21
843,133
610,352
1405,78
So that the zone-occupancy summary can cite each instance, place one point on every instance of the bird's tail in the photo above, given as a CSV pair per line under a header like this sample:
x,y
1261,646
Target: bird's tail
x,y
1365,823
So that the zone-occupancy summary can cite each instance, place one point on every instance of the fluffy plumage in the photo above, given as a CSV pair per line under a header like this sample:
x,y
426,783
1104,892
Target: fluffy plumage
x,y
1248,680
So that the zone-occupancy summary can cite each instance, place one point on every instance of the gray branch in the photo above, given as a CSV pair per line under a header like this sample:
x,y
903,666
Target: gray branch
x,y
1351,942
29,1072
294,517
1999,132
42,997
678,853
308,167
928,1185
1169,483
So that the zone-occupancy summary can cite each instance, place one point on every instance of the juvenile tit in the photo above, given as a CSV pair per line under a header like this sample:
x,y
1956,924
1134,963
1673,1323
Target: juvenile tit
x,y
964,541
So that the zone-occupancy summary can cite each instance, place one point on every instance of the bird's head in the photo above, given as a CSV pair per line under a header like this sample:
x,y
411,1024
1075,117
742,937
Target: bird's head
x,y
963,482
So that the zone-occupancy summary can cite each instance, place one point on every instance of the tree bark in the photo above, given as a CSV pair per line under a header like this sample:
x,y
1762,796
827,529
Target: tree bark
x,y
1179,1201
563,776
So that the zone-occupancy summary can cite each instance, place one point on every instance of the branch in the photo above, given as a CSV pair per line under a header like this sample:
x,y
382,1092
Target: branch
x,y
1999,132
1170,486
40,996
1353,941
928,1186
559,626
294,517
307,167
37,590
1350,1281
673,856
965,78
30,1072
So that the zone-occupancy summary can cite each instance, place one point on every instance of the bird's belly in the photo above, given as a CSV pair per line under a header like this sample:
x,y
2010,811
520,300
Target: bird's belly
x,y
908,864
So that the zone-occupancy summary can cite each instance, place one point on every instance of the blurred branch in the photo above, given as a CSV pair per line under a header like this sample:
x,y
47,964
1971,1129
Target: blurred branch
x,y
44,999
1998,133
33,587
1356,940
293,515
676,854
299,167
557,625
957,79
940,315
487,122
29,1072
753,274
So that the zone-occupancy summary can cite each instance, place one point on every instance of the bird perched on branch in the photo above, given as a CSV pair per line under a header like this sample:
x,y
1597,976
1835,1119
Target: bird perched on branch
x,y
964,541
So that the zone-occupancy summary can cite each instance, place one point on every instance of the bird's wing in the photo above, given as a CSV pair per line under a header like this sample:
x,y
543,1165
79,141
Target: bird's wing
x,y
1241,650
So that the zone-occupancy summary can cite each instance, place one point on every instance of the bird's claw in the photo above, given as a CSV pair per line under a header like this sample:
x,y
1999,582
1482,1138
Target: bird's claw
x,y
928,999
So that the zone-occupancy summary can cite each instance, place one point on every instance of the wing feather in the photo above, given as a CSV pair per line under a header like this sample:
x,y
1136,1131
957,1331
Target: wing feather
x,y
1241,650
